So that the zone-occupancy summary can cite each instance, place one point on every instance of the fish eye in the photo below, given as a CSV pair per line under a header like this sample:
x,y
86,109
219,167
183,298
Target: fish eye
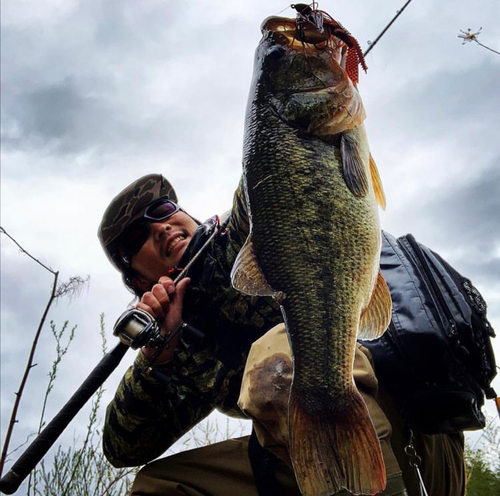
x,y
276,52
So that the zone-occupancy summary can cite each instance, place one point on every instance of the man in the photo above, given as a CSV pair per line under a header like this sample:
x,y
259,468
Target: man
x,y
150,240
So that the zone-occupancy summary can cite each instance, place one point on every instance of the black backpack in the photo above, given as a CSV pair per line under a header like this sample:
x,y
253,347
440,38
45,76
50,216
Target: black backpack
x,y
436,358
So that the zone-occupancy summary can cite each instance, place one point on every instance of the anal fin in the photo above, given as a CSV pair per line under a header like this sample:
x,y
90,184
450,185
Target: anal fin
x,y
377,315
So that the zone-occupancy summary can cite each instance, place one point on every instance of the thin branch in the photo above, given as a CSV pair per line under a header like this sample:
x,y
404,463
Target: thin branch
x,y
27,370
3,231
72,287
487,48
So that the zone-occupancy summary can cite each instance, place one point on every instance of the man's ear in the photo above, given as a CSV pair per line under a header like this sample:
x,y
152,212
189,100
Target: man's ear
x,y
140,283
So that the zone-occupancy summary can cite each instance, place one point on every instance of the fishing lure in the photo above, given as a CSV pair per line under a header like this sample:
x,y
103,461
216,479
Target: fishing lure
x,y
310,15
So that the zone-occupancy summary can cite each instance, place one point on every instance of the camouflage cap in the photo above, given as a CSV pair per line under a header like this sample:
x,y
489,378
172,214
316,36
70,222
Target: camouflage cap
x,y
125,206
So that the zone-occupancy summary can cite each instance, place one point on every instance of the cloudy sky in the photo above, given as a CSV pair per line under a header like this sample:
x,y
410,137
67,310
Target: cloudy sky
x,y
97,93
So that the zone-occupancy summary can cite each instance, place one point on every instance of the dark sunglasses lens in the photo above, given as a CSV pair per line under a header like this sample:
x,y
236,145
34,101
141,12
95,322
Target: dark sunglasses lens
x,y
134,237
161,210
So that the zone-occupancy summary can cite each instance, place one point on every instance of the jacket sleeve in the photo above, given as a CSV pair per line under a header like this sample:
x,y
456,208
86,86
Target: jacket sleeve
x,y
146,416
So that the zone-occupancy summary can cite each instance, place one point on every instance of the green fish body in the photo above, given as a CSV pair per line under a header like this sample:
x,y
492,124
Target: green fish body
x,y
314,245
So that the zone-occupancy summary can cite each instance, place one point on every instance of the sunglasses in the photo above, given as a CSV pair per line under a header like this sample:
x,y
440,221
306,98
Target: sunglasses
x,y
137,233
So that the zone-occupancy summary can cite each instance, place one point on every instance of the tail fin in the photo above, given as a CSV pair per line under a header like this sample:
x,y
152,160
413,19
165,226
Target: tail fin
x,y
335,448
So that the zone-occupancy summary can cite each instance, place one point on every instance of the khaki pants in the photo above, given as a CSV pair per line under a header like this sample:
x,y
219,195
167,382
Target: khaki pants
x,y
221,469
442,456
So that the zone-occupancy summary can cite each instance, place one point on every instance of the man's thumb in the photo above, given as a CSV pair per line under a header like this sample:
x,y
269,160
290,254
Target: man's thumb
x,y
175,314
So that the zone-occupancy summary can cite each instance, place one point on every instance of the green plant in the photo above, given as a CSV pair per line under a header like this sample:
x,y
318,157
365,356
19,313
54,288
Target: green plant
x,y
70,288
212,430
80,469
483,462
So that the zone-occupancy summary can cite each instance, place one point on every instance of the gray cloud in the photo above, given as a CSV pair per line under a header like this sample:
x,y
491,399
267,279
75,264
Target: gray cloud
x,y
96,94
462,223
469,211
58,116
446,105
469,216
123,86
456,99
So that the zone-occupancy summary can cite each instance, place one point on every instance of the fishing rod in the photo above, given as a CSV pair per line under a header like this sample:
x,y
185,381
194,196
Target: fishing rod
x,y
399,12
135,328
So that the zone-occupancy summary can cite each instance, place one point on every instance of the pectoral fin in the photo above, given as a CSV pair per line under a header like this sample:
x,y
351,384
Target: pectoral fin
x,y
377,315
353,168
377,184
247,276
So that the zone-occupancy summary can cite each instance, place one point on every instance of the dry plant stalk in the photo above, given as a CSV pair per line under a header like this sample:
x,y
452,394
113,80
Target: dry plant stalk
x,y
468,36
71,288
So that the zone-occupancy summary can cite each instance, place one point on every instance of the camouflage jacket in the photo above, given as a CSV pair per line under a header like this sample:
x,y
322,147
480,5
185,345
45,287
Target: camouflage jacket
x,y
147,416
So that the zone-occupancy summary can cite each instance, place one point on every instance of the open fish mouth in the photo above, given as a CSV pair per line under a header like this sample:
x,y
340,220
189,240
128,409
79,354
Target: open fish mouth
x,y
306,37
315,30
305,67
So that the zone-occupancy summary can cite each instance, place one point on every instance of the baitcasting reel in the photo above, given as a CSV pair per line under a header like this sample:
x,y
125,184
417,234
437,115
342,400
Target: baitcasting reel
x,y
136,328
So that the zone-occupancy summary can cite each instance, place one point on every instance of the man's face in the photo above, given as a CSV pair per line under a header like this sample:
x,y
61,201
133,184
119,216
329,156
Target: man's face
x,y
162,251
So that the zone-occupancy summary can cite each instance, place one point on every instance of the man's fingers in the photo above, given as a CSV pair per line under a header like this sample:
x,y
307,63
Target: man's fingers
x,y
181,287
146,308
161,294
165,300
156,302
180,291
167,283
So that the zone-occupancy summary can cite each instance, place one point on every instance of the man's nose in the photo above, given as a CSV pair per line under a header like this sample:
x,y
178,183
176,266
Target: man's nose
x,y
159,229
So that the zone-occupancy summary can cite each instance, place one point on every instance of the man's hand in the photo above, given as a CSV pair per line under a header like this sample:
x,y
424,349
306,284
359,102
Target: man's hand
x,y
164,302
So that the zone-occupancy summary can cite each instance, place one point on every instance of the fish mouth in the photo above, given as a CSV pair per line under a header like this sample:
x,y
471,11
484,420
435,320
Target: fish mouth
x,y
304,66
306,37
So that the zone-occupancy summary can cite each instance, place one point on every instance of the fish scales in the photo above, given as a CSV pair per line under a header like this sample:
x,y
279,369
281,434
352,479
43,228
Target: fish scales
x,y
294,232
314,245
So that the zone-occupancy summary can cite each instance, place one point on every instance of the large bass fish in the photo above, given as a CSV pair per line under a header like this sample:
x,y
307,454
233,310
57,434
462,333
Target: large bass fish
x,y
311,190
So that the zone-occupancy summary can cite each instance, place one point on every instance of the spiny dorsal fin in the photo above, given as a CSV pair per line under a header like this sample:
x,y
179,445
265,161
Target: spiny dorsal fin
x,y
377,184
376,317
353,168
